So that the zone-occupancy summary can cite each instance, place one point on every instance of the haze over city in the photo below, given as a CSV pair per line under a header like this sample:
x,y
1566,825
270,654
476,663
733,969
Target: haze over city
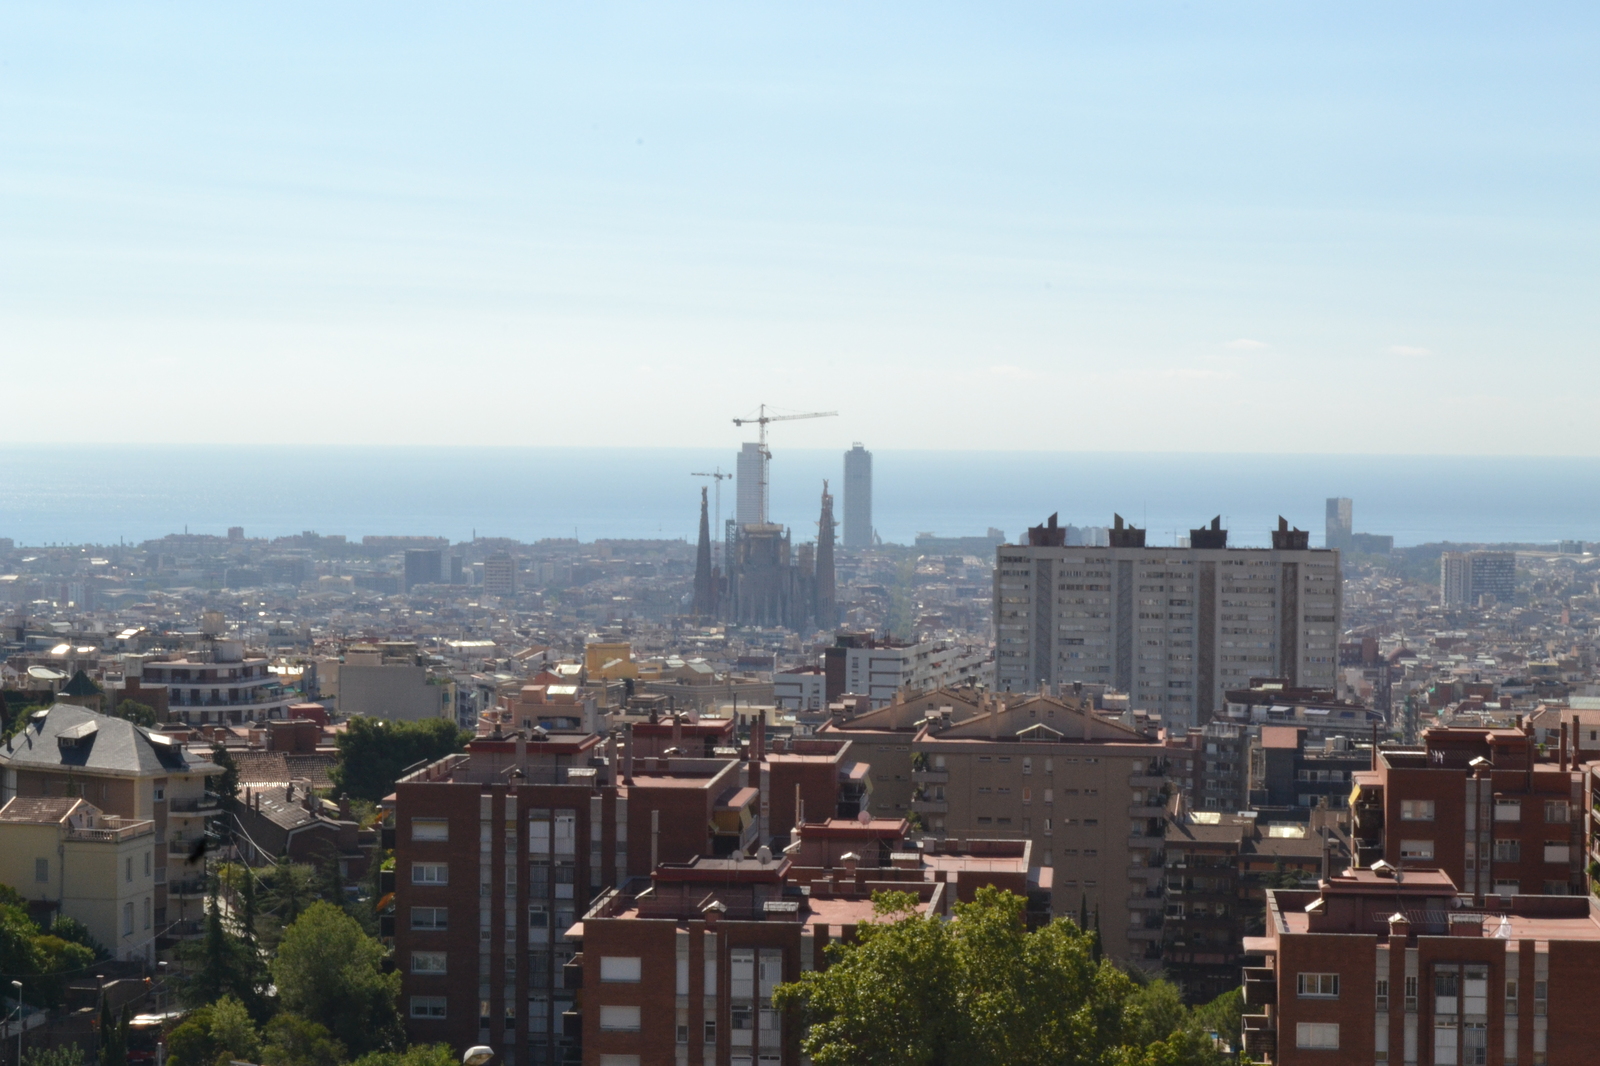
x,y
743,535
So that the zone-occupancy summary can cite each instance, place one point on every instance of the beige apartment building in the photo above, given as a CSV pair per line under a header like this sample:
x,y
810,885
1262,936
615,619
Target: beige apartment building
x,y
1086,789
883,738
100,869
132,773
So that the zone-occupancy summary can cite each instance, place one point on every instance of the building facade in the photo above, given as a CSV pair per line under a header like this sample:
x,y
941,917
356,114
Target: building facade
x,y
1465,577
750,486
1175,628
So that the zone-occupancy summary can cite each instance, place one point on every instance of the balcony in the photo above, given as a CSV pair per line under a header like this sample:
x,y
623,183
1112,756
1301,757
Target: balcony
x,y
1146,903
930,777
930,806
1146,873
1260,986
192,888
207,804
1146,780
1260,1036
110,830
1147,812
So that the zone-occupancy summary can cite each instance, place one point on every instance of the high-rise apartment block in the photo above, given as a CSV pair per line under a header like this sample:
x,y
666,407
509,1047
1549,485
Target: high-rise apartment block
x,y
1464,577
424,566
1175,628
858,498
500,575
750,486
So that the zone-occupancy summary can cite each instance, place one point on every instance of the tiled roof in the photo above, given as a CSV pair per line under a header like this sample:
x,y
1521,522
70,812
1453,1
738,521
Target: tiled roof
x,y
111,745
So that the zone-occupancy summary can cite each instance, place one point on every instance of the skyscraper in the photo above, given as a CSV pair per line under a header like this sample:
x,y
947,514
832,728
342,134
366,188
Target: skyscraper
x,y
424,566
750,485
1340,524
1464,577
858,497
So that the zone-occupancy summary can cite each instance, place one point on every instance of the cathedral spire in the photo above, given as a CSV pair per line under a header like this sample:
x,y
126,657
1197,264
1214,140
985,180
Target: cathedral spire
x,y
827,605
705,582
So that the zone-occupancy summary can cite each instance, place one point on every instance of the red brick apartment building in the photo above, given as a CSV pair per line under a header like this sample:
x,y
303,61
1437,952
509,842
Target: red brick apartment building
x,y
680,969
1392,966
499,851
1479,805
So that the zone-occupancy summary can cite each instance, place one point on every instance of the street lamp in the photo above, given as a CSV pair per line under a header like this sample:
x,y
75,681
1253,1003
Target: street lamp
x,y
477,1055
16,986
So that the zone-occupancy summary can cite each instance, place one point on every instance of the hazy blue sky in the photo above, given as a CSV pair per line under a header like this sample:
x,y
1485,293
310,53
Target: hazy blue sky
x,y
1229,227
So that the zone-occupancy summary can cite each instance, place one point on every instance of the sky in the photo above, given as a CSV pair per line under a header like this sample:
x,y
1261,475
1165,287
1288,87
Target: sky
x,y
1215,227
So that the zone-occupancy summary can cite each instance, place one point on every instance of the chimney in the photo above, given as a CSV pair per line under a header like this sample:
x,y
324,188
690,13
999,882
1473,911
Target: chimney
x,y
712,911
1374,765
627,754
1563,755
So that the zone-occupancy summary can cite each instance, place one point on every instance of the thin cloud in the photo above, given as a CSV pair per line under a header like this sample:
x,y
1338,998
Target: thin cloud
x,y
1014,373
1408,349
1245,344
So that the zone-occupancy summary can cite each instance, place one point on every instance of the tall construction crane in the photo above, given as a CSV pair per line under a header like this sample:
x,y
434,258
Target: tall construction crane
x,y
761,420
718,534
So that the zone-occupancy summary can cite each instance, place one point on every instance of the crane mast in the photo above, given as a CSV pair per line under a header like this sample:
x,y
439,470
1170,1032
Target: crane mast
x,y
761,420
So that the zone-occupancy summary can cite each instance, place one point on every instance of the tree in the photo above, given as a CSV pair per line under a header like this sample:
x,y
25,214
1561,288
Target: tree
x,y
415,1055
135,712
916,990
73,931
291,889
225,784
331,973
113,1036
290,1040
234,1031
228,966
373,752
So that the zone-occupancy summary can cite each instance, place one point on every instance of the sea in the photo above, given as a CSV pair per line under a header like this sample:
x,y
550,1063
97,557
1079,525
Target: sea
x,y
103,494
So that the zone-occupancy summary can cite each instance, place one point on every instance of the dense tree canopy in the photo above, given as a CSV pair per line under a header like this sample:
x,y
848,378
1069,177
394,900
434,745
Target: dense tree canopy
x,y
983,991
373,752
330,973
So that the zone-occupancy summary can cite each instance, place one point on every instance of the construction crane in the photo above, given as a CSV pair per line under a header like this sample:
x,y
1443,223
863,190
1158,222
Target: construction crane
x,y
717,537
761,420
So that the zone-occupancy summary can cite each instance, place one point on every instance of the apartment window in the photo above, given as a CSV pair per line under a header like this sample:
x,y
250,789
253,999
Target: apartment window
x,y
1416,849
430,829
1507,888
711,1032
1556,811
1541,998
1444,1044
429,1007
1027,764
429,918
1411,995
1416,810
1508,851
620,968
618,1019
147,912
127,919
1382,993
430,873
1027,795
427,962
127,874
147,857
1322,1036
41,869
1318,985
1511,995
1508,810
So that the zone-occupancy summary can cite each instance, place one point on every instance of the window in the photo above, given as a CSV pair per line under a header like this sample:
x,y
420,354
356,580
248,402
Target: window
x,y
711,1032
1508,810
1416,810
429,918
427,962
1508,851
619,1019
147,856
429,1007
1382,993
1444,1045
1411,995
1317,1035
430,873
41,869
127,875
620,968
1416,849
147,912
1320,985
127,919
430,829
1507,888
1556,811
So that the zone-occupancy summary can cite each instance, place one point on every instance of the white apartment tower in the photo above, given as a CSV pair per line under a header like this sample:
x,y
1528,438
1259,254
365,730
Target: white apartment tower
x,y
750,508
1172,627
857,498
